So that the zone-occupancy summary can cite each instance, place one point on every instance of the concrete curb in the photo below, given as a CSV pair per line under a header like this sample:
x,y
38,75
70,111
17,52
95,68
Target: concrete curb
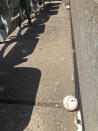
x,y
85,31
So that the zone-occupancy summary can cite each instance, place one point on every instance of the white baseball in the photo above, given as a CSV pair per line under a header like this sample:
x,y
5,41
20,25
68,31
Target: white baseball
x,y
70,103
67,7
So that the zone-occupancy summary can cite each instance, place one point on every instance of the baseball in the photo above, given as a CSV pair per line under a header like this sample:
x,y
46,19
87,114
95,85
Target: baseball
x,y
70,103
67,7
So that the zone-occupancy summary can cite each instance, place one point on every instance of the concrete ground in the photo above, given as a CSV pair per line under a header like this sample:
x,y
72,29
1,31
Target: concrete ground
x,y
36,71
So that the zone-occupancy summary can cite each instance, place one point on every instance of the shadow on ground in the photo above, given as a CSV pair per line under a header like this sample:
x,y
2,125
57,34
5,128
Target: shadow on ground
x,y
19,85
17,97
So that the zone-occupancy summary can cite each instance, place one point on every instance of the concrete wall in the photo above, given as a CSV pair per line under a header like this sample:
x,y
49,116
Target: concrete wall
x,y
85,27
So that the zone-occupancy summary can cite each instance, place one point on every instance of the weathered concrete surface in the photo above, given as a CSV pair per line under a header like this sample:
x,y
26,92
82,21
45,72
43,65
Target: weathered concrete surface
x,y
37,68
22,118
85,27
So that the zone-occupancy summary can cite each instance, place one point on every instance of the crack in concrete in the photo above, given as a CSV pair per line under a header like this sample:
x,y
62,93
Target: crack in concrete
x,y
33,103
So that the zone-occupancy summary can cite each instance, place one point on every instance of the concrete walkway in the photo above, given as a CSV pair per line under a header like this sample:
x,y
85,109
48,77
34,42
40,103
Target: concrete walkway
x,y
36,70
